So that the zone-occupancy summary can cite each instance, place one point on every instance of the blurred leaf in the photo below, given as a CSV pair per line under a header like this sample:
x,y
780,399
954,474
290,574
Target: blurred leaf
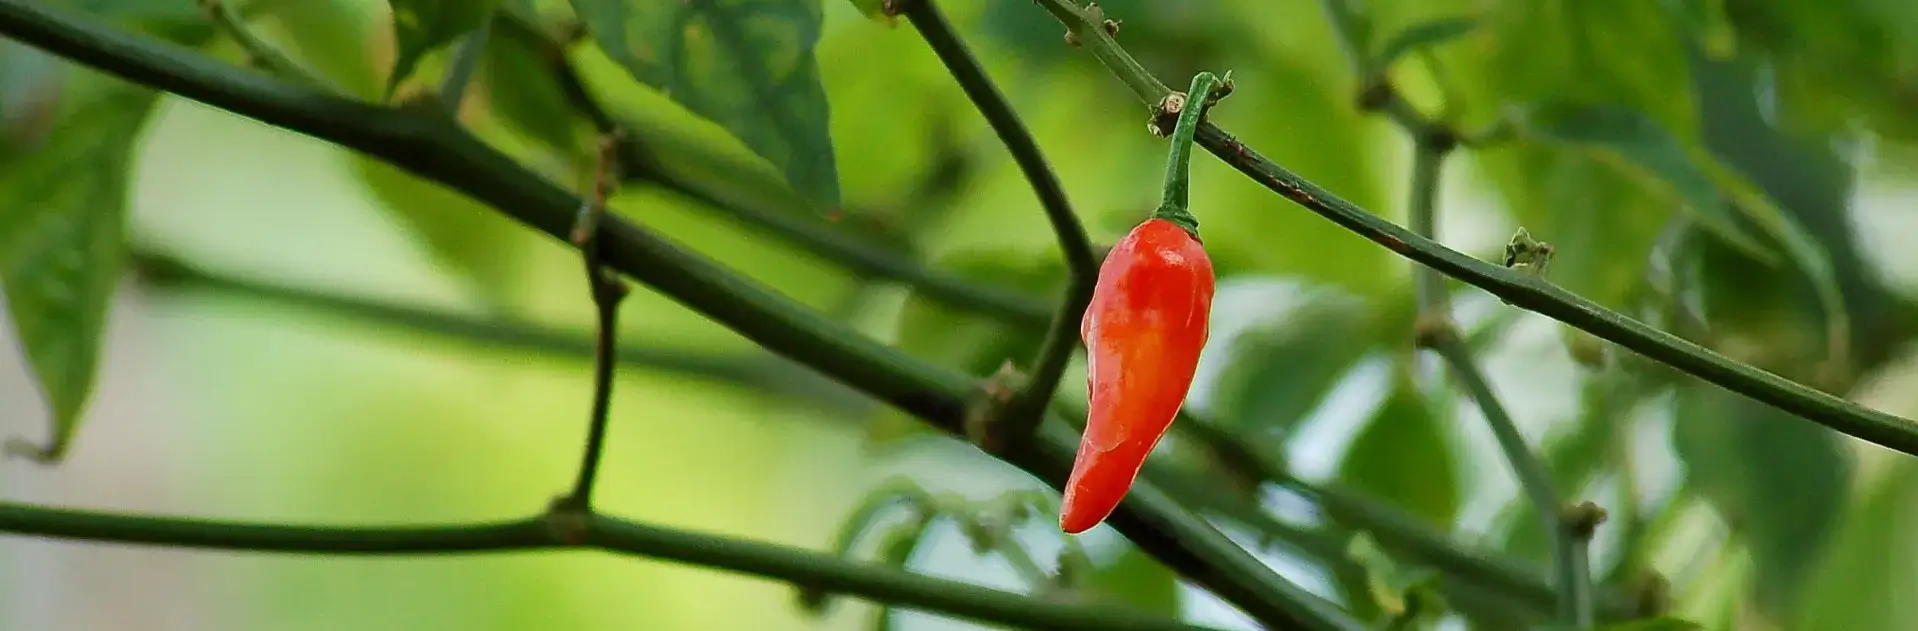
x,y
1280,372
1633,141
1423,35
423,26
1805,252
1862,583
1837,64
745,64
62,249
874,9
1779,481
518,72
470,240
869,512
1709,26
1404,455
1656,624
974,344
329,37
1625,52
1137,580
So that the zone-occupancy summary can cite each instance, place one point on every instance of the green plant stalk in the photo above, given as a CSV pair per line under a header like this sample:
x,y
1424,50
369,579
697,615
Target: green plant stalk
x,y
1521,290
1020,418
436,149
1572,577
800,567
1178,162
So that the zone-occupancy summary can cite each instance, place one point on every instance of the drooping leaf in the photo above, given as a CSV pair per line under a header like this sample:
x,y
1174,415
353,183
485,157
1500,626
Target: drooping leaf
x,y
327,36
423,26
1779,481
1404,455
1863,582
1636,143
745,64
1423,35
62,249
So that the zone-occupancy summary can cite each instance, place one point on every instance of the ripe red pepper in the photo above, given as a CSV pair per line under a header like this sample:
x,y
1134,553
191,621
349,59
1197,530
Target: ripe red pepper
x,y
1148,319
1143,333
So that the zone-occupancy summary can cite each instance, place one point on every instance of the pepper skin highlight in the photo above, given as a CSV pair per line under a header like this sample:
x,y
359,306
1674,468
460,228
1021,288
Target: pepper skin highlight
x,y
1143,332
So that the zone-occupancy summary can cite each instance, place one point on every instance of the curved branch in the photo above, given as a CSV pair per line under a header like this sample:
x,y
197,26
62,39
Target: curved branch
x,y
432,147
1521,290
814,570
1027,409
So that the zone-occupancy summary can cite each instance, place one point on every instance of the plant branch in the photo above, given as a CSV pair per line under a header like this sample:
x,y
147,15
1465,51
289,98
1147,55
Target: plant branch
x,y
857,255
778,376
1020,418
1572,578
607,291
436,149
800,567
1517,288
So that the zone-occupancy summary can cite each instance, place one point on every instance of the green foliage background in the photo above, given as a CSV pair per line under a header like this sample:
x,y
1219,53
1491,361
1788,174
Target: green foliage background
x,y
1717,161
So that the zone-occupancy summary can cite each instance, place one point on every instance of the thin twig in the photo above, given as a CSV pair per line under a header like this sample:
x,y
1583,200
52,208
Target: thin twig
x,y
1019,418
800,567
1517,288
466,60
436,149
1573,579
1436,330
775,375
259,52
607,290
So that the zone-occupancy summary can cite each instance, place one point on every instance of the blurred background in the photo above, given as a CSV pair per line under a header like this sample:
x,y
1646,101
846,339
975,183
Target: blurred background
x,y
238,380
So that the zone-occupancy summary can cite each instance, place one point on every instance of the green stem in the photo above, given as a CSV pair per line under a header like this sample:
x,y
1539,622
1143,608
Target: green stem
x,y
1178,162
1520,290
800,567
1572,578
1021,417
1422,216
436,149
778,376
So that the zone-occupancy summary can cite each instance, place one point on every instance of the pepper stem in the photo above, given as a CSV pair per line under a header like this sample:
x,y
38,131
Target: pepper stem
x,y
1178,165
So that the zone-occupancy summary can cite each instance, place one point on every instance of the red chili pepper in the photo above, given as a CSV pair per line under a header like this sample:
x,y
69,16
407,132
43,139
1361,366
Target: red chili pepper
x,y
1143,333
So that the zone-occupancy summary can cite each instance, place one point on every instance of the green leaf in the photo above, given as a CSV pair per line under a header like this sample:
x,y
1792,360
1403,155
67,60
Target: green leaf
x,y
1862,583
1404,455
1423,35
745,64
1656,624
1279,373
423,26
517,72
1137,580
873,9
474,243
62,249
1806,252
1638,144
1779,482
